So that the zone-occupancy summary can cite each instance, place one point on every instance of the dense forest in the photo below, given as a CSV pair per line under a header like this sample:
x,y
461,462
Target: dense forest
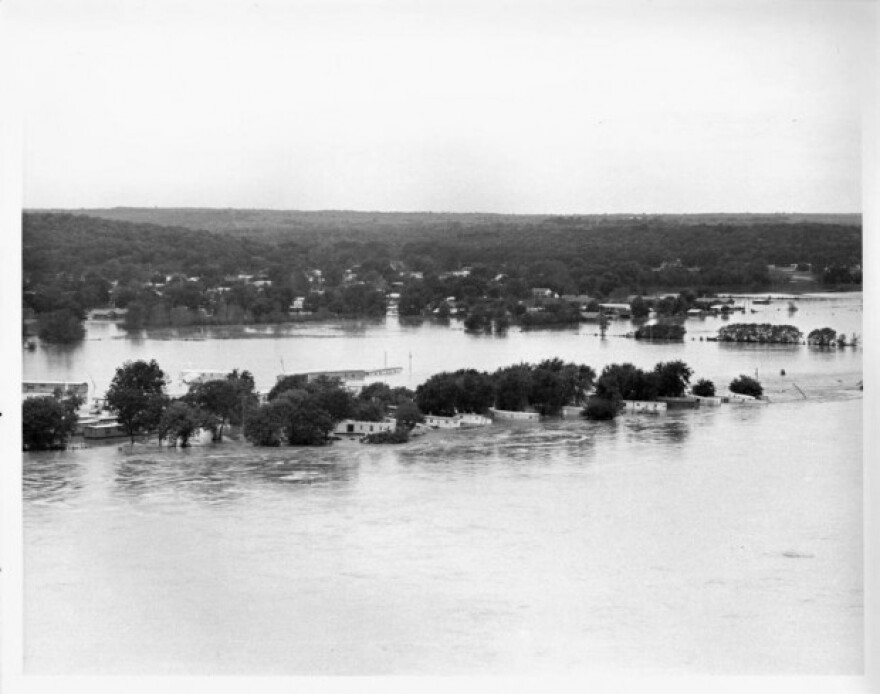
x,y
349,264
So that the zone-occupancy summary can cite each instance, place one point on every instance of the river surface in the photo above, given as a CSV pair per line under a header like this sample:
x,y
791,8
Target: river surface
x,y
724,540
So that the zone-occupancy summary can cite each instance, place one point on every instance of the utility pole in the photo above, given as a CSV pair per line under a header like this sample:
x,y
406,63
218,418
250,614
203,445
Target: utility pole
x,y
243,401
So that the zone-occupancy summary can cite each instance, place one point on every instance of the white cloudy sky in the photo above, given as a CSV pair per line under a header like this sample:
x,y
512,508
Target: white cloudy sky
x,y
504,107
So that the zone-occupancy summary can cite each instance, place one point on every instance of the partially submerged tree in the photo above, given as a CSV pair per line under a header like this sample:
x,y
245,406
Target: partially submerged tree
x,y
264,426
672,378
599,409
513,384
63,326
48,422
179,423
137,396
822,337
746,385
226,399
626,382
408,415
704,388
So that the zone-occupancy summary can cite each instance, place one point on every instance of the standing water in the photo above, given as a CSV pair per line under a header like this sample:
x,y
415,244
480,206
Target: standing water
x,y
719,540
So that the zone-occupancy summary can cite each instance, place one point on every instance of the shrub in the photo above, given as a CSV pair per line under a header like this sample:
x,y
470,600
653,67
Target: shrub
x,y
822,337
599,409
661,331
704,388
746,385
396,436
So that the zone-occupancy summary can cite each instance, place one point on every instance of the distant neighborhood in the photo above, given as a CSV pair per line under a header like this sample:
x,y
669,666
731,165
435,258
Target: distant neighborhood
x,y
77,267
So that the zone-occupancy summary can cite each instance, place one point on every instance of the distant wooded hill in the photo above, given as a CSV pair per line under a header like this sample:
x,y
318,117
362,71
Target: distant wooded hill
x,y
283,222
71,261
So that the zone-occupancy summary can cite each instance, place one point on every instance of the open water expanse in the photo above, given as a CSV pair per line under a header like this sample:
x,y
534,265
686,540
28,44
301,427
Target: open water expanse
x,y
720,540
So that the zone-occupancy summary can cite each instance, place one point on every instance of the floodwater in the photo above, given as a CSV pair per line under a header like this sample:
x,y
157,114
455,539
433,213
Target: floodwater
x,y
724,540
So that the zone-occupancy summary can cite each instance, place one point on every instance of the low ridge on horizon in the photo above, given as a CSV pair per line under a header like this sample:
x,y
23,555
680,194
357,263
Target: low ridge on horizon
x,y
342,210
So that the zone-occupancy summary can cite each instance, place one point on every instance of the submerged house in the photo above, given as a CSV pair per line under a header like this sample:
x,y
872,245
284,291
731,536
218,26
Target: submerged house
x,y
355,427
619,310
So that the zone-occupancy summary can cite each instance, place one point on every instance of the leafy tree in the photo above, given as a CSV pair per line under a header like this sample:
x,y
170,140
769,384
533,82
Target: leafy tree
x,y
513,386
216,397
264,426
476,391
137,396
179,422
306,423
367,411
746,385
61,327
704,388
329,395
822,337
438,395
672,378
246,393
639,307
226,399
599,409
556,383
408,415
626,382
285,383
48,422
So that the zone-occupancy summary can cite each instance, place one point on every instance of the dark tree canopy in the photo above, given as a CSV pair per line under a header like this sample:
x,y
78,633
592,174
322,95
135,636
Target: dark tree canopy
x,y
48,422
62,327
626,382
704,388
179,423
226,399
672,378
746,385
137,396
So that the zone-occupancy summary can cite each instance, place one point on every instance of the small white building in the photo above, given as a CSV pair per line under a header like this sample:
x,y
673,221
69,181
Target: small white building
x,y
190,376
36,389
437,422
469,419
622,310
644,406
511,415
356,427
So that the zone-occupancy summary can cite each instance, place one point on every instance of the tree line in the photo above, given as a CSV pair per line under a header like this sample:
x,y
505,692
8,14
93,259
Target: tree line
x,y
299,410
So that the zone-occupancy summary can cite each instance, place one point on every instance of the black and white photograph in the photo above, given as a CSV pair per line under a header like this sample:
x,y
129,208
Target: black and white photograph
x,y
473,343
